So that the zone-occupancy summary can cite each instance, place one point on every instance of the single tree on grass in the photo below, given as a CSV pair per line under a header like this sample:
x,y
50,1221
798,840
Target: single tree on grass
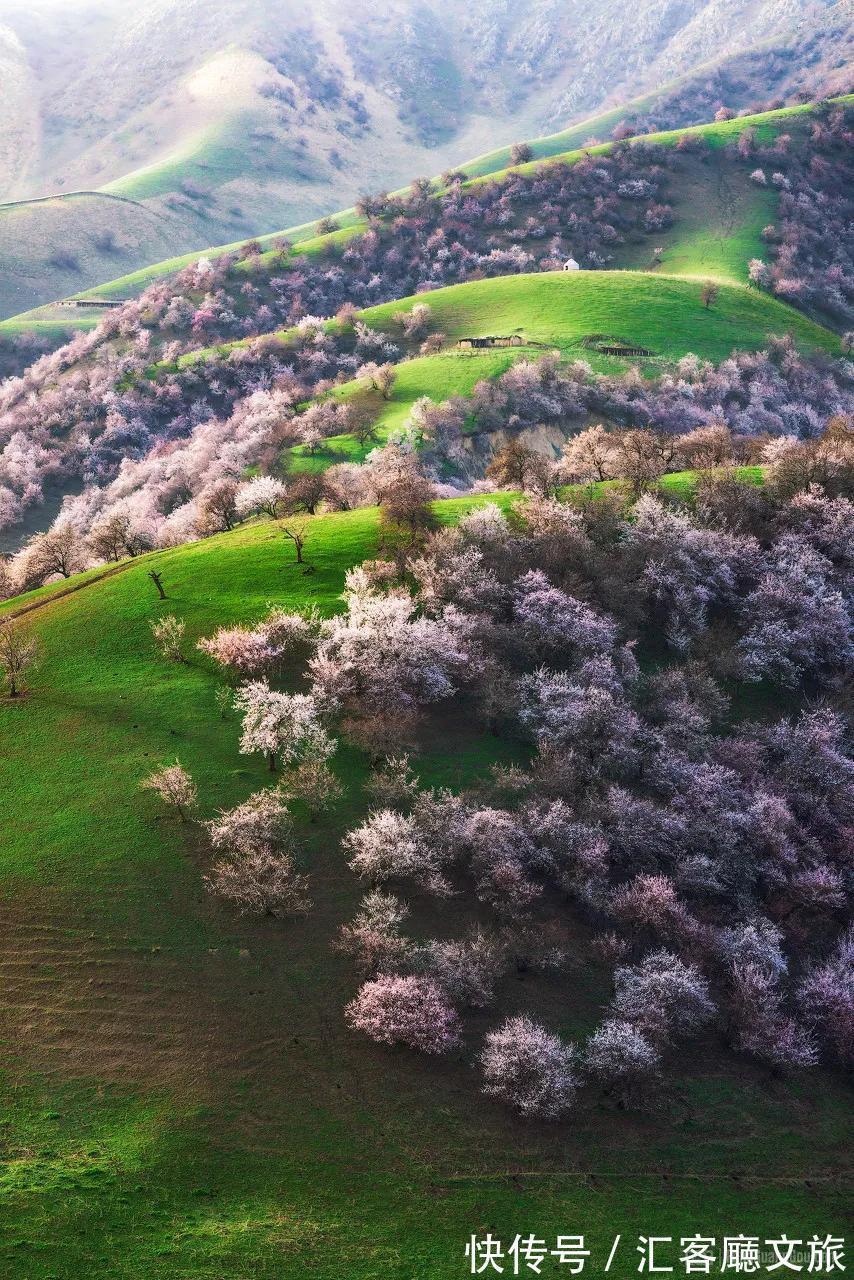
x,y
520,153
314,783
157,579
406,516
19,653
174,786
373,938
389,846
381,377
622,1059
709,294
168,633
262,882
295,528
364,429
257,870
405,1010
60,552
305,493
284,726
261,822
526,1066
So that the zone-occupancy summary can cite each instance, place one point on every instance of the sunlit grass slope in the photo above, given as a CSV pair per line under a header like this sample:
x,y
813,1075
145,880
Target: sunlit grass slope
x,y
439,377
665,314
560,310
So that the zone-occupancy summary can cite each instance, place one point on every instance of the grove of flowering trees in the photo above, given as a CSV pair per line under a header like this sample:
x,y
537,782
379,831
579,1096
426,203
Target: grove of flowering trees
x,y
706,856
695,859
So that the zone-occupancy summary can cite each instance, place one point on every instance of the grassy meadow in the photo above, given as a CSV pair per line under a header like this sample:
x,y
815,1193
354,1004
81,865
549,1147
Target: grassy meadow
x,y
186,1100
665,314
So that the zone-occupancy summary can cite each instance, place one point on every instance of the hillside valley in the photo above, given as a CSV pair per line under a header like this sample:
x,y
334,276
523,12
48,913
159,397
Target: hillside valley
x,y
426,637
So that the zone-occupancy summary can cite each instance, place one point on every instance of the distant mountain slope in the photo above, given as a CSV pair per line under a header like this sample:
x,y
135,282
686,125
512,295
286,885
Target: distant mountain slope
x,y
235,119
167,383
109,231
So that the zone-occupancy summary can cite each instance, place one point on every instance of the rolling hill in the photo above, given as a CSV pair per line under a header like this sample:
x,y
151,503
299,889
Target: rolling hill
x,y
231,120
185,1098
720,215
671,227
571,314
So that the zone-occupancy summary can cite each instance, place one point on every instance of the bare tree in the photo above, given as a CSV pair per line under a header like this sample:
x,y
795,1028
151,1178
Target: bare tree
x,y
296,529
709,294
219,507
19,652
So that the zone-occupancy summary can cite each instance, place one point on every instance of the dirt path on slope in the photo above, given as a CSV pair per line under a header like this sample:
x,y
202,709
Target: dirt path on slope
x,y
70,590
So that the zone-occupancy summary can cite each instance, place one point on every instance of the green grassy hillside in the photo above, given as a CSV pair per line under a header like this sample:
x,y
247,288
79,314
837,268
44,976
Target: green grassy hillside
x,y
717,222
186,1101
664,314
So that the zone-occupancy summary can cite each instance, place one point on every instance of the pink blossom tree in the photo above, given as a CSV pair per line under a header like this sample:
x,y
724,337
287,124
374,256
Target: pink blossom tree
x,y
373,938
406,1010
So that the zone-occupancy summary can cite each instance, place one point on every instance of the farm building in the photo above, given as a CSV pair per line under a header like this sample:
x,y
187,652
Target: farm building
x,y
571,265
618,349
477,344
94,302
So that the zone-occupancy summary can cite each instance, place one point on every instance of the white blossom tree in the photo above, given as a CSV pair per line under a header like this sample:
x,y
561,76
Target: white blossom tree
x,y
390,845
261,822
621,1058
262,495
527,1067
261,882
175,788
285,727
